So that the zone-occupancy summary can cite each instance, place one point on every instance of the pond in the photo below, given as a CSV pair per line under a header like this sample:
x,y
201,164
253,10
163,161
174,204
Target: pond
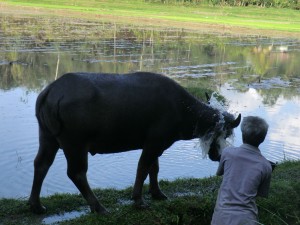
x,y
257,75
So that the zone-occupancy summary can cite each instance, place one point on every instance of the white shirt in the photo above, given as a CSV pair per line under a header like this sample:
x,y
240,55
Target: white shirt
x,y
246,174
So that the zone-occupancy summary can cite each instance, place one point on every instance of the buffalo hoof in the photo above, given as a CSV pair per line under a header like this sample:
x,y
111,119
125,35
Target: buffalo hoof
x,y
159,195
140,204
38,209
99,209
103,212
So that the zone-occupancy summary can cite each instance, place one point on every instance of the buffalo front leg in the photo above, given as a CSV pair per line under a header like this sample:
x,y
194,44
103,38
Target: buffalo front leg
x,y
146,160
154,189
77,167
43,160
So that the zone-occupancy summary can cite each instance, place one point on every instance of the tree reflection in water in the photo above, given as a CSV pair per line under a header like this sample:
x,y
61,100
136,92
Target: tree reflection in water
x,y
256,75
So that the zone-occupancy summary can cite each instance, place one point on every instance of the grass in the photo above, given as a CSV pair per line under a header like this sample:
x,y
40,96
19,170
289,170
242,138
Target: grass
x,y
204,17
191,201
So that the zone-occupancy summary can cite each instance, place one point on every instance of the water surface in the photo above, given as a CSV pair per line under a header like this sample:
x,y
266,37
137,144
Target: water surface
x,y
257,75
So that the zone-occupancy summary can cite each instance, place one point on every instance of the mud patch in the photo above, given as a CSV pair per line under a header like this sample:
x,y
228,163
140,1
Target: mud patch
x,y
274,82
123,201
198,71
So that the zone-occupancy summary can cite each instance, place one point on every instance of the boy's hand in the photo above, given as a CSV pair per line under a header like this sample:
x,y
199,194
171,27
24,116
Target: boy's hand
x,y
273,165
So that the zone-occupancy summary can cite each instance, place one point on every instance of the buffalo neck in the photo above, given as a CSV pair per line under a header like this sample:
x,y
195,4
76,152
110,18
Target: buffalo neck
x,y
199,118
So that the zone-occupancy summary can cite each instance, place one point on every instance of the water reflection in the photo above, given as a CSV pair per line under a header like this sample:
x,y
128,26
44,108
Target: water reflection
x,y
56,219
258,76
282,142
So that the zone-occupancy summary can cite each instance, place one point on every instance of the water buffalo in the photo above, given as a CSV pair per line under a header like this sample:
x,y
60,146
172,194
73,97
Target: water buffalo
x,y
93,113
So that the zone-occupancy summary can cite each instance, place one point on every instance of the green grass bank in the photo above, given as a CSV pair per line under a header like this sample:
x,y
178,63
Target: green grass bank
x,y
191,201
204,18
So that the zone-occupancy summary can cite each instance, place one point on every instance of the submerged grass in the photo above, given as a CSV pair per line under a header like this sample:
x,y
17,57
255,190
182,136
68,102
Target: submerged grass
x,y
191,201
216,18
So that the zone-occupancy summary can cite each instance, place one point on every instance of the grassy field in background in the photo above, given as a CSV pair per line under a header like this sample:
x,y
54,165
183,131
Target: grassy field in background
x,y
239,20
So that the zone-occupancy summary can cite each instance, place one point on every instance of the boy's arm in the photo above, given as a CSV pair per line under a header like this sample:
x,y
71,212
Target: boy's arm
x,y
220,170
263,190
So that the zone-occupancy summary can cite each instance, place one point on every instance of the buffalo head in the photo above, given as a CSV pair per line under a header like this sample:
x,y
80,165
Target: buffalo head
x,y
224,129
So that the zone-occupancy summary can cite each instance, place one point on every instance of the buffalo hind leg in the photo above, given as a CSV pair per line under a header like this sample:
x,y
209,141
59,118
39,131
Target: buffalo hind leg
x,y
77,168
146,161
47,150
154,189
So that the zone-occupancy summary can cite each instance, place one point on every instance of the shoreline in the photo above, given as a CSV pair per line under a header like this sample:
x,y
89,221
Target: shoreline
x,y
191,201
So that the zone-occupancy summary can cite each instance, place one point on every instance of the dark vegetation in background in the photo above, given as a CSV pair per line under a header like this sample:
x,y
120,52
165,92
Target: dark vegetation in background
x,y
293,4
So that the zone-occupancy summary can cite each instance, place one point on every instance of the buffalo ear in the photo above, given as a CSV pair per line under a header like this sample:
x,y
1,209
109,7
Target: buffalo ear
x,y
236,122
207,97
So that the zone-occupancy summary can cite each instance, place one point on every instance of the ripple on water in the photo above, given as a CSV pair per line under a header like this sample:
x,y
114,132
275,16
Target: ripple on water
x,y
197,71
18,127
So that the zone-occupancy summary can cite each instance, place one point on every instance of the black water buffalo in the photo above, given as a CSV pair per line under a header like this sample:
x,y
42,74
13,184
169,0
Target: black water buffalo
x,y
93,113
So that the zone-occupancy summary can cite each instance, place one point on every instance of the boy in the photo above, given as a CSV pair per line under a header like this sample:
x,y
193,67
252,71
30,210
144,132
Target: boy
x,y
246,174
